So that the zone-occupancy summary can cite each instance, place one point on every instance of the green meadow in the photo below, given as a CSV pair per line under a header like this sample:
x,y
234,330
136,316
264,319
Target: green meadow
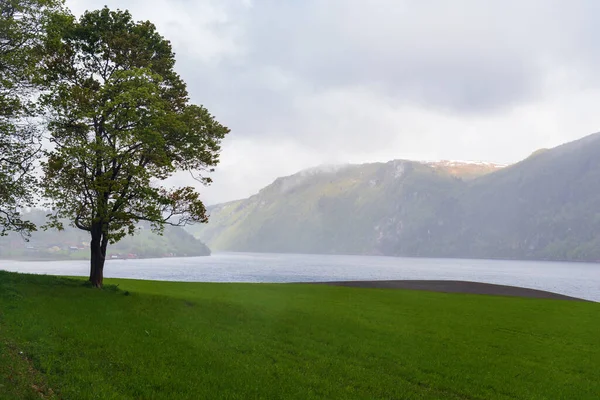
x,y
165,340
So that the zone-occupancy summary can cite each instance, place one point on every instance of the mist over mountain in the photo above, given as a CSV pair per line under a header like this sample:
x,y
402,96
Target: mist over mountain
x,y
544,207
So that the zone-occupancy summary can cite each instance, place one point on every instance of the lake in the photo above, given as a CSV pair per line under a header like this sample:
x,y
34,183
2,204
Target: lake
x,y
572,279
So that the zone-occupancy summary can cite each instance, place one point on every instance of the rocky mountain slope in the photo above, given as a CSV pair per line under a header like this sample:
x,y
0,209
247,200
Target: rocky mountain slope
x,y
545,207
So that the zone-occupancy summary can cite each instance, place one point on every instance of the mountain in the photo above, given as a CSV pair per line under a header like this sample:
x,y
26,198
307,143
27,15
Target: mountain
x,y
544,207
73,243
336,209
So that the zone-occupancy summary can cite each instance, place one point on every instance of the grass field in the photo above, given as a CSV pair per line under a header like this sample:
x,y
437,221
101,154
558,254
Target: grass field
x,y
164,340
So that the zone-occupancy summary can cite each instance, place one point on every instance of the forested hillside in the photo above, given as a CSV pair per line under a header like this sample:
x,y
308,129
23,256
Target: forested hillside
x,y
74,243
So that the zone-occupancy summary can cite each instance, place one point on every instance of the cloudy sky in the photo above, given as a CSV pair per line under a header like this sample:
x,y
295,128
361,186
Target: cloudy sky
x,y
309,82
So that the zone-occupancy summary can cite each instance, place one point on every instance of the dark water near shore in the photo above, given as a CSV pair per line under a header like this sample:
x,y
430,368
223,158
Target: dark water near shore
x,y
572,279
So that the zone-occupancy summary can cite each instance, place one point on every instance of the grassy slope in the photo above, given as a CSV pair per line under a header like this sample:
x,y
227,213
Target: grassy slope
x,y
196,340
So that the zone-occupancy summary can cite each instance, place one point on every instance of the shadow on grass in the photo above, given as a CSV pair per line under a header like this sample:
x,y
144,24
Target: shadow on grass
x,y
9,279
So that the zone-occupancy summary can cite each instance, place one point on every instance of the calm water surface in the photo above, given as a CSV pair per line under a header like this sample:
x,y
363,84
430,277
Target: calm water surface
x,y
573,279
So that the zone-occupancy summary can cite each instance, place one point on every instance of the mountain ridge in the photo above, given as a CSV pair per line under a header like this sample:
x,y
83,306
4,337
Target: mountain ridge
x,y
538,208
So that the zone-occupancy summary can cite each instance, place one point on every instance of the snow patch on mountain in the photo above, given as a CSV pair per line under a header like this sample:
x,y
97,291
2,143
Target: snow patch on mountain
x,y
458,163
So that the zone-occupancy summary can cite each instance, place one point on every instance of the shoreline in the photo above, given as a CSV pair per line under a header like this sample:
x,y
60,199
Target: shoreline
x,y
443,286
440,286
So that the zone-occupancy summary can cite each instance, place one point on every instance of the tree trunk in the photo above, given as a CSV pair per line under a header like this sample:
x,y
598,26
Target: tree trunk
x,y
98,256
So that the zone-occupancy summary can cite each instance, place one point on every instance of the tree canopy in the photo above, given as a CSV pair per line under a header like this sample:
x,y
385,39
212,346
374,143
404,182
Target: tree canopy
x,y
120,123
23,30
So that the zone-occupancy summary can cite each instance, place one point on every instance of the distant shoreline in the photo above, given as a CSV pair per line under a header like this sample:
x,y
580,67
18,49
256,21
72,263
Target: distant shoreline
x,y
460,258
442,286
87,258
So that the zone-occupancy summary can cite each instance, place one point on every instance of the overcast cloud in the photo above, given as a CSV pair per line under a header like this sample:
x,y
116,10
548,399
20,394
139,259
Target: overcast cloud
x,y
310,82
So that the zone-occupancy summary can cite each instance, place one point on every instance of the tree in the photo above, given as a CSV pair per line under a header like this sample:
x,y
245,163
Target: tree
x,y
22,33
120,123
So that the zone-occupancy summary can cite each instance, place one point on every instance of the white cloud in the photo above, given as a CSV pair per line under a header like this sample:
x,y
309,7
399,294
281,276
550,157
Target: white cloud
x,y
202,31
250,165
316,82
